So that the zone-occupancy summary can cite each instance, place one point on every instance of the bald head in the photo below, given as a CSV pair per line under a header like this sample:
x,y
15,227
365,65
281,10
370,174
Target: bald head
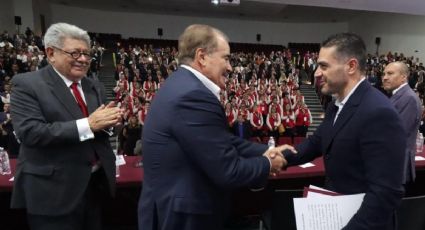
x,y
395,74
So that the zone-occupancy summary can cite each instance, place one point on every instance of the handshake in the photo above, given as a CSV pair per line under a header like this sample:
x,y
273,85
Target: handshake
x,y
275,156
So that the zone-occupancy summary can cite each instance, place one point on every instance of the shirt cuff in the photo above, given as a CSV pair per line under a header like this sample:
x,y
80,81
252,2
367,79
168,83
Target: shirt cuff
x,y
84,130
270,161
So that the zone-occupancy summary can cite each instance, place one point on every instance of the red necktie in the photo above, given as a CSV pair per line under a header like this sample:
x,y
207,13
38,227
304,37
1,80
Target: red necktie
x,y
79,99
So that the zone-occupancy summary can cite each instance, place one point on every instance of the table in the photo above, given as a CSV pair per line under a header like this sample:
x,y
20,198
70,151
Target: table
x,y
122,210
131,175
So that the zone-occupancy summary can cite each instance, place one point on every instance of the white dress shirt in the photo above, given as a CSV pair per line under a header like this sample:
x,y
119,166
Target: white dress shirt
x,y
84,131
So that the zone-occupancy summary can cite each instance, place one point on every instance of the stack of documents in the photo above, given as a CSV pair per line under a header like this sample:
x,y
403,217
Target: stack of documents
x,y
322,209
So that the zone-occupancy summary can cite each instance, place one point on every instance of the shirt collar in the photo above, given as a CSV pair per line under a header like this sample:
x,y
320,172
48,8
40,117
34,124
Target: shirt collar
x,y
340,104
401,86
68,82
207,82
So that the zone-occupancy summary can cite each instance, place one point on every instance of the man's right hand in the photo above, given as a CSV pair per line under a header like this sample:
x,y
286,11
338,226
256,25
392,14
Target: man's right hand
x,y
276,158
105,117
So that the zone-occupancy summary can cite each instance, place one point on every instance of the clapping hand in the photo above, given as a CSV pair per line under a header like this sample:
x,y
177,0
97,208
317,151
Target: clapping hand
x,y
105,116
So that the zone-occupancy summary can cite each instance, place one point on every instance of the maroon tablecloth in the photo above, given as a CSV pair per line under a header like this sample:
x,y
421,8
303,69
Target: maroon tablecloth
x,y
131,175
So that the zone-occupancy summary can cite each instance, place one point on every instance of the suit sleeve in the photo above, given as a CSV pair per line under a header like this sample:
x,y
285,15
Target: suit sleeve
x,y
200,128
248,149
383,144
410,113
28,121
308,150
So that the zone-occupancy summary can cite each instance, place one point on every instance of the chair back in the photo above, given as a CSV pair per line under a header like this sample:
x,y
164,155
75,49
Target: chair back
x,y
282,213
411,213
298,140
284,140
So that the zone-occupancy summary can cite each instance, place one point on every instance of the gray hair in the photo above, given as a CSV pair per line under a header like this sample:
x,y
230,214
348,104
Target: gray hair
x,y
197,36
404,69
56,34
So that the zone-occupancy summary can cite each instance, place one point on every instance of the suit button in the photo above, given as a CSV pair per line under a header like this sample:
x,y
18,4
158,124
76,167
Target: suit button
x,y
327,156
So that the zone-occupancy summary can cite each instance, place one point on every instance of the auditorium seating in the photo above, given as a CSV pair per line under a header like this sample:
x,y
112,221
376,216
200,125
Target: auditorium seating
x,y
284,141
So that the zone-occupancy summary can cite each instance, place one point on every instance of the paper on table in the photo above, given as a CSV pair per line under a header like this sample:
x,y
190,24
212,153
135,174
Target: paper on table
x,y
307,165
419,158
325,212
119,160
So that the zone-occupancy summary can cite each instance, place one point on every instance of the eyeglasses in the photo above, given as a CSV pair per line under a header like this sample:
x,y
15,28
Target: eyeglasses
x,y
75,54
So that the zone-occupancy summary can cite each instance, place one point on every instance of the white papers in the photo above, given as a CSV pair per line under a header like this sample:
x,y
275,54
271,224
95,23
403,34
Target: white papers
x,y
119,160
419,158
307,165
319,211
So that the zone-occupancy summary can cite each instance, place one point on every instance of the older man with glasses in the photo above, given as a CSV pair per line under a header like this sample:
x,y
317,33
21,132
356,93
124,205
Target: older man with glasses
x,y
66,163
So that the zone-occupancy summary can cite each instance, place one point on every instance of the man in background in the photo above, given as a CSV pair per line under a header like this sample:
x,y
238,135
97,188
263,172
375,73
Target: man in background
x,y
242,128
406,102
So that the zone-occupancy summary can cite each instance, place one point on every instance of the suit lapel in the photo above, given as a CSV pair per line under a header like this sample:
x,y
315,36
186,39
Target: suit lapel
x,y
91,94
63,93
201,85
328,123
347,112
398,94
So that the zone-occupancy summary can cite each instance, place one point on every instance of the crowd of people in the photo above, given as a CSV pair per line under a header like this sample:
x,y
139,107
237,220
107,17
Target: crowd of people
x,y
19,53
262,96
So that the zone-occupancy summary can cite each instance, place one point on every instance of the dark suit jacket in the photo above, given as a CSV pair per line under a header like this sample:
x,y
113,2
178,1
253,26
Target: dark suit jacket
x,y
409,107
54,167
363,152
190,158
246,129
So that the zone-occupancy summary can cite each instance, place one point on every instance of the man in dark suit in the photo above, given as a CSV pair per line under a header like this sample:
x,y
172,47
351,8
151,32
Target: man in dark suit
x,y
190,159
65,163
409,107
362,138
242,128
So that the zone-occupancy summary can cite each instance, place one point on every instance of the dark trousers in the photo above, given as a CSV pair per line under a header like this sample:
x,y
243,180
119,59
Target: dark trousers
x,y
87,214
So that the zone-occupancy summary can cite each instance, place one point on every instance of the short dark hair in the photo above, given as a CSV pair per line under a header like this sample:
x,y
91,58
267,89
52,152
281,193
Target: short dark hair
x,y
348,45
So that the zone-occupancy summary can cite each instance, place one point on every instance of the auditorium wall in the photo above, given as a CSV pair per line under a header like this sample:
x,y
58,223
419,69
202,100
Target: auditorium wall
x,y
398,33
146,25
23,9
7,16
41,9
